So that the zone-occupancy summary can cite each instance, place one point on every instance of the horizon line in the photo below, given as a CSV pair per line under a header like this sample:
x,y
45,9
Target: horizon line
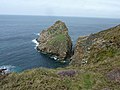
x,y
56,16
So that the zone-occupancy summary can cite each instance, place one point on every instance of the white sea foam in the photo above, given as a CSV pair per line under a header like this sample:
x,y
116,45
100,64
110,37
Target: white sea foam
x,y
35,41
9,68
54,57
38,34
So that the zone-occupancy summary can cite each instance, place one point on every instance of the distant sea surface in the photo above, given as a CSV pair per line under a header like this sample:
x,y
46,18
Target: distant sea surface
x,y
18,34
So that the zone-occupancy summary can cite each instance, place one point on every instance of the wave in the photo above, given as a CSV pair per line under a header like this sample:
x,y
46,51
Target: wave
x,y
10,68
35,41
54,57
38,34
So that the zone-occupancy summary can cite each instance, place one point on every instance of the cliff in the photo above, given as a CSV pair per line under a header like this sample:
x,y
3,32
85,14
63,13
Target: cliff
x,y
95,65
97,47
55,41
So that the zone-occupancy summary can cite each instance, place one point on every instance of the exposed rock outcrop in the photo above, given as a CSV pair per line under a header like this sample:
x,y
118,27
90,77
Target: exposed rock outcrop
x,y
56,41
97,47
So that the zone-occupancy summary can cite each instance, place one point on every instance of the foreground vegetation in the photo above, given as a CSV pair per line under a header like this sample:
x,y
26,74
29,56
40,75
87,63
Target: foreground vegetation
x,y
86,77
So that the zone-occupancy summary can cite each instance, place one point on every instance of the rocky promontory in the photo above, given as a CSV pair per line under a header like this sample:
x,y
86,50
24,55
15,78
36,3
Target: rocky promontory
x,y
97,47
55,41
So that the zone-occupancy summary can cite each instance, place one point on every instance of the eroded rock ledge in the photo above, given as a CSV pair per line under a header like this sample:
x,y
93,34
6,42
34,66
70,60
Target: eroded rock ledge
x,y
55,41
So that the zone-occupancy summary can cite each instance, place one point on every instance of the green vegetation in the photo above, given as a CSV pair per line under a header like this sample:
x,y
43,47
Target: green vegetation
x,y
111,47
87,81
57,39
103,54
90,77
110,34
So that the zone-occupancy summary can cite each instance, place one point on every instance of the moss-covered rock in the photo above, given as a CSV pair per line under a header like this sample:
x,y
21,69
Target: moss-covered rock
x,y
56,41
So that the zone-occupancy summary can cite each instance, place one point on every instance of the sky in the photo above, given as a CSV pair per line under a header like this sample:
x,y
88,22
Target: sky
x,y
77,8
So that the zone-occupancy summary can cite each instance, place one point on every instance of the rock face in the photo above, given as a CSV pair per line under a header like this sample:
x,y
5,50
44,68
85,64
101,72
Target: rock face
x,y
56,41
97,47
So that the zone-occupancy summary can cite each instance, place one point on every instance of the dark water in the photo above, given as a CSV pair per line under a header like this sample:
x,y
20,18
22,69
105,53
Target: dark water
x,y
17,32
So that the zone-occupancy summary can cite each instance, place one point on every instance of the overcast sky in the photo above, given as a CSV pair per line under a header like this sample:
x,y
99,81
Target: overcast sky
x,y
81,8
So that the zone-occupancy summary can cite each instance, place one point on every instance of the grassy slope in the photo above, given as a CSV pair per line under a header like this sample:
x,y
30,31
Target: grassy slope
x,y
90,76
112,45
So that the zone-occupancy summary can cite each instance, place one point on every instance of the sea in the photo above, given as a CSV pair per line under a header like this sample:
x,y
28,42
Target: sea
x,y
18,38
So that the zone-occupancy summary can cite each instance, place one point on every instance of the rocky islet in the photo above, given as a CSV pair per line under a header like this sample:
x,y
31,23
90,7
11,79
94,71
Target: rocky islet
x,y
56,42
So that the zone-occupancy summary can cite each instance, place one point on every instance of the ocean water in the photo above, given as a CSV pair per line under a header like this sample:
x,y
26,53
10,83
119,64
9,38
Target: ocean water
x,y
18,34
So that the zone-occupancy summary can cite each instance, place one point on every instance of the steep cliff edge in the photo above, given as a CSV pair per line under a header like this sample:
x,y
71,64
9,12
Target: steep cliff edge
x,y
97,47
56,41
